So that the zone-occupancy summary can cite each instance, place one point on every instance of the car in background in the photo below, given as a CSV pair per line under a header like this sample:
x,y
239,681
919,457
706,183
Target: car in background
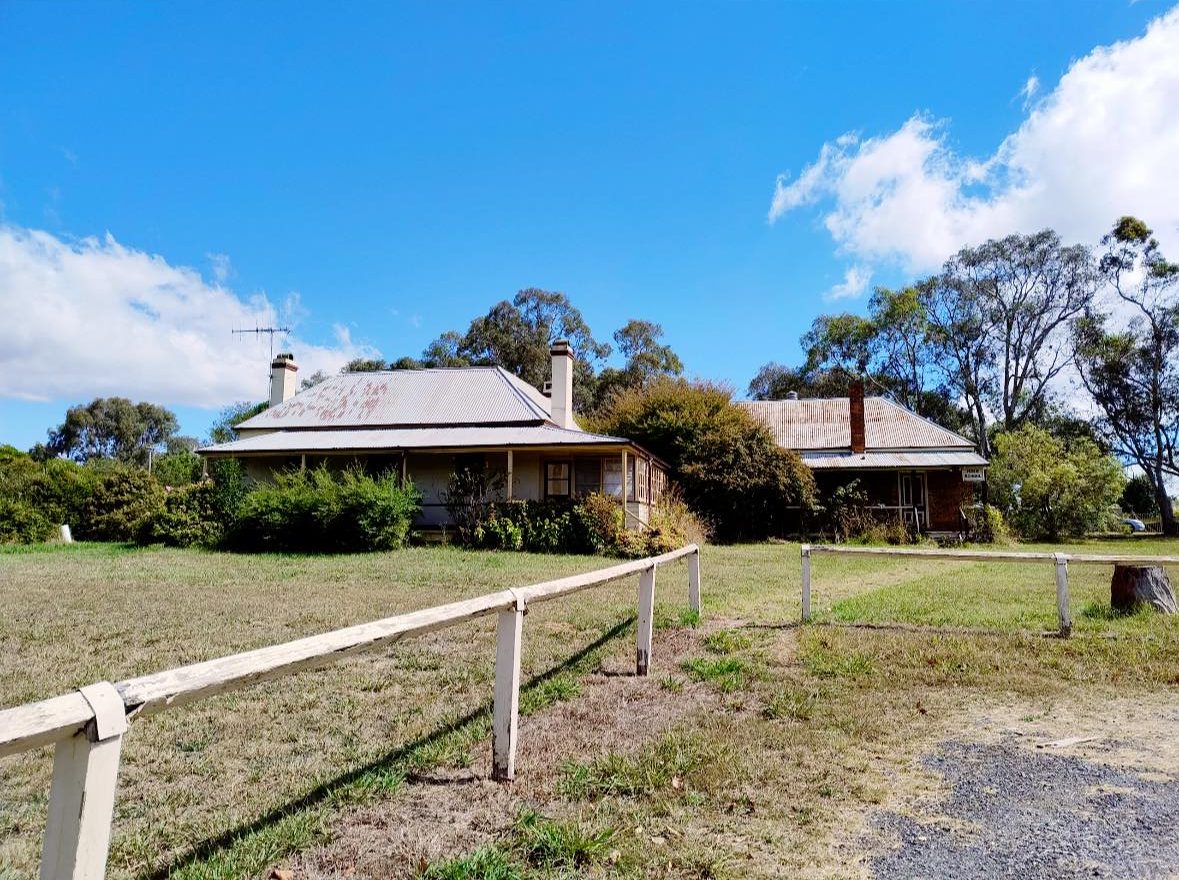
x,y
1136,525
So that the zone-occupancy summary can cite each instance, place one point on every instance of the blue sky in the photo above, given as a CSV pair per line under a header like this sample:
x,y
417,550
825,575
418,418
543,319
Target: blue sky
x,y
381,173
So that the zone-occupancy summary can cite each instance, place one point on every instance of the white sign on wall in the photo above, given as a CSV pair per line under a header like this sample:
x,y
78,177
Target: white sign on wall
x,y
974,475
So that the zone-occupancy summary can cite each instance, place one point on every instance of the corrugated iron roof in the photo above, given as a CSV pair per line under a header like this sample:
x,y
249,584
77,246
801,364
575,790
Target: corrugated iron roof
x,y
824,423
463,396
411,438
913,459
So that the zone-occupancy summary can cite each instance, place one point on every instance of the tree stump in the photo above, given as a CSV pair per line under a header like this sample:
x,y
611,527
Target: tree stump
x,y
1133,585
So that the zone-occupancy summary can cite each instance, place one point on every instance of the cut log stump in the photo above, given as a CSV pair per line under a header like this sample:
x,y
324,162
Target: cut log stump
x,y
1133,585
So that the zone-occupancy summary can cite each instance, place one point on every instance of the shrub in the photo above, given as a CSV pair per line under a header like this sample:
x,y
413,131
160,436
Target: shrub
x,y
314,511
177,468
22,523
468,496
190,517
1048,486
985,524
122,501
728,465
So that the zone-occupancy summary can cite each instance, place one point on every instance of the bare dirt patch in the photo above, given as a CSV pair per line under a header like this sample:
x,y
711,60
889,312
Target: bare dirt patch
x,y
449,812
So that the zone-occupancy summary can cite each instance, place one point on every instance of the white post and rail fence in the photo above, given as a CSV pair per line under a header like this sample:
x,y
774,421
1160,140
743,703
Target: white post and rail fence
x,y
86,727
1060,562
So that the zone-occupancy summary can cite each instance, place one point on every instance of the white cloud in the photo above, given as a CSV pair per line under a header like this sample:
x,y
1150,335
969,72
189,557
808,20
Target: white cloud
x,y
1029,91
855,282
1101,144
94,317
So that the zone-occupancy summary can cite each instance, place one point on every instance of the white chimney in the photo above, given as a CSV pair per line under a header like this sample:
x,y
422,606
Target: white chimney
x,y
562,385
282,378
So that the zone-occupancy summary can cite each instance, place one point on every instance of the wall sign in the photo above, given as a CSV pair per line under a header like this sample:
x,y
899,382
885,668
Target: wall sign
x,y
974,475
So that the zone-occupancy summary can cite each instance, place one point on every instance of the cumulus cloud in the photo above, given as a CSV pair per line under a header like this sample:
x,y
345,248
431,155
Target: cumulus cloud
x,y
95,317
855,282
1101,144
1029,91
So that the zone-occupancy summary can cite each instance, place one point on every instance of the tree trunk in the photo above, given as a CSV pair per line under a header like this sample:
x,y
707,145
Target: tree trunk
x,y
1133,585
1167,523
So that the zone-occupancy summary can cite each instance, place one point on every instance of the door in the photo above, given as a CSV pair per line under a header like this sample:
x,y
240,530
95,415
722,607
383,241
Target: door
x,y
913,499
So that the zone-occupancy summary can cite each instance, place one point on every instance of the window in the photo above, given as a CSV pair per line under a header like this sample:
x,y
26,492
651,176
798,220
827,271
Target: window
x,y
612,477
556,479
587,476
642,480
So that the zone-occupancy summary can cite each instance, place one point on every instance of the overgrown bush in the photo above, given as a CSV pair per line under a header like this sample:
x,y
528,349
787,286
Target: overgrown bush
x,y
181,468
1048,487
316,511
729,467
22,523
594,524
190,517
468,496
56,489
985,525
122,501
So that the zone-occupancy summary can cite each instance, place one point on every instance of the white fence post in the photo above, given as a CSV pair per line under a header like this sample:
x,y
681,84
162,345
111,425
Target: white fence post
x,y
694,581
806,582
506,710
646,624
82,794
1066,621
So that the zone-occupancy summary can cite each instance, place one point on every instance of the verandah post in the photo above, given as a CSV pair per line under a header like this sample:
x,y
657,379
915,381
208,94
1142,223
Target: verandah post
x,y
82,794
1062,611
506,708
694,581
646,624
806,582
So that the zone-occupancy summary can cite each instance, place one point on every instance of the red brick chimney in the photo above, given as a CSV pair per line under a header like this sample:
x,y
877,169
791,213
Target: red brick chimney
x,y
855,394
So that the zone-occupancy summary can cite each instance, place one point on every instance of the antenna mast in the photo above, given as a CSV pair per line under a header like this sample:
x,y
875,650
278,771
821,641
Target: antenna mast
x,y
270,331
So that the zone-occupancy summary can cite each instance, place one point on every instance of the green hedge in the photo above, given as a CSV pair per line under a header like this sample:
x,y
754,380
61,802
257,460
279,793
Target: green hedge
x,y
316,511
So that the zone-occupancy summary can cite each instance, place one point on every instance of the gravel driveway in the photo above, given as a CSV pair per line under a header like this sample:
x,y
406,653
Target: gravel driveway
x,y
1014,811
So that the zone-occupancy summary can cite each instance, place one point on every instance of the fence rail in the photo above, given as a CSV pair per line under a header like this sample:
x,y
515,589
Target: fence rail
x,y
1059,560
87,726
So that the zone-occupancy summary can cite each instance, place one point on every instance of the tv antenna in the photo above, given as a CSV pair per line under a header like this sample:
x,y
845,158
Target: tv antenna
x,y
269,331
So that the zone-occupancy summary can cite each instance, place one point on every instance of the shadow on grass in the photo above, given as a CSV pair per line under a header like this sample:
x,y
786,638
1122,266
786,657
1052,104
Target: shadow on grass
x,y
326,791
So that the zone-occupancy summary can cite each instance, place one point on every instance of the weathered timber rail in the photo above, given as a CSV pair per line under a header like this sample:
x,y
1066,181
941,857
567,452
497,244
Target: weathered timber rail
x,y
86,727
1059,560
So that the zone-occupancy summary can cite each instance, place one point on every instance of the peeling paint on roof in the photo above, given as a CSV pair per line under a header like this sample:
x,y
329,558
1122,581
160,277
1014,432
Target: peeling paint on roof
x,y
824,424
409,398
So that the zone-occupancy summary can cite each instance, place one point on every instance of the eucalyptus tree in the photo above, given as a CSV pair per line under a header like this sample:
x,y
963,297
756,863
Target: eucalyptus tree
x,y
1127,355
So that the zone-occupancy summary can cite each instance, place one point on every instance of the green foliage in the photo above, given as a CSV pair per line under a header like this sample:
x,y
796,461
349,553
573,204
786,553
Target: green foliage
x,y
676,763
224,430
22,523
178,468
1048,487
986,525
114,428
468,496
191,517
316,511
729,467
1139,497
122,501
555,525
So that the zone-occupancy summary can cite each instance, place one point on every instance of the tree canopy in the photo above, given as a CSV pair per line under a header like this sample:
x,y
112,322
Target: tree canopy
x,y
113,428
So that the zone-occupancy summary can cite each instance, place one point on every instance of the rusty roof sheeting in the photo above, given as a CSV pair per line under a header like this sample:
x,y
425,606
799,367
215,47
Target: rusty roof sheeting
x,y
823,423
463,396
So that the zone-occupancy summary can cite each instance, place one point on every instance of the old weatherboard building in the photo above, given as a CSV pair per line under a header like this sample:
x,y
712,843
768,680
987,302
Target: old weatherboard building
x,y
426,424
906,464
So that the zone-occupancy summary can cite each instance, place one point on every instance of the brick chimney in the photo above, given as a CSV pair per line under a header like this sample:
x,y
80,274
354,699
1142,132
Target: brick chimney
x,y
855,408
282,378
561,387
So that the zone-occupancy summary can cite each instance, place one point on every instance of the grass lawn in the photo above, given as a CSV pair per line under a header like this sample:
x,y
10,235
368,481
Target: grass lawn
x,y
773,737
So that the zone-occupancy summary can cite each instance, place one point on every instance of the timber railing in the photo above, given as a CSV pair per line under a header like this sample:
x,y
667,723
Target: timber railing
x,y
1059,560
86,727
